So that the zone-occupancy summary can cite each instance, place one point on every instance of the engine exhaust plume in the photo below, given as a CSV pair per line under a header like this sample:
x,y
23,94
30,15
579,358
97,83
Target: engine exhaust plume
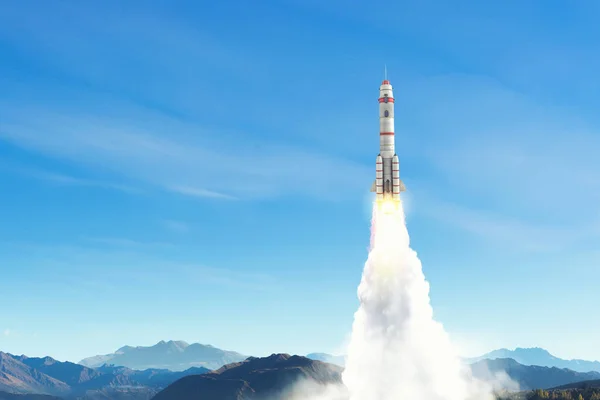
x,y
397,350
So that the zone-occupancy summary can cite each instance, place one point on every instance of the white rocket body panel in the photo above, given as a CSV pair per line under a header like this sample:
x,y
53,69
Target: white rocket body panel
x,y
387,172
395,178
387,175
379,177
386,121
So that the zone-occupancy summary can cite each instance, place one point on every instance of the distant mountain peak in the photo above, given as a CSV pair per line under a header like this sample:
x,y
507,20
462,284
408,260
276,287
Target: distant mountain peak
x,y
124,349
175,355
538,350
178,344
278,357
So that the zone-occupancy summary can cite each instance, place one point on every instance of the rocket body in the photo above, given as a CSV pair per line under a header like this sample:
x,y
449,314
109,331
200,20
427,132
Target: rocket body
x,y
387,185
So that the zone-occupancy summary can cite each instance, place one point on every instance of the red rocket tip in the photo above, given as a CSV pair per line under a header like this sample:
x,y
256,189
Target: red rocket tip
x,y
385,82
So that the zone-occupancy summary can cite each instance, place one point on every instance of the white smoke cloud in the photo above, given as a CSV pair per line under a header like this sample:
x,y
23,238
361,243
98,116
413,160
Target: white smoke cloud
x,y
396,349
306,389
492,381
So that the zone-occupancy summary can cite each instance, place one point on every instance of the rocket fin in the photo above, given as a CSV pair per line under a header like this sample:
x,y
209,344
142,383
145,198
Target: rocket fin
x,y
374,186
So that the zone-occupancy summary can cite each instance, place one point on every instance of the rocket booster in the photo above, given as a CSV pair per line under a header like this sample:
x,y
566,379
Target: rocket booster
x,y
387,183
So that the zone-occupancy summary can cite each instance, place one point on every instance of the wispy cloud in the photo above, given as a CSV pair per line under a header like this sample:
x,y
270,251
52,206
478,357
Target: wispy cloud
x,y
176,226
67,180
7,332
183,157
513,233
501,165
202,274
181,139
87,267
126,243
112,41
195,192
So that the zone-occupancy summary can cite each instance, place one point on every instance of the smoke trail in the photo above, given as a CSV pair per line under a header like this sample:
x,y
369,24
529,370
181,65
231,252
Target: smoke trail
x,y
397,350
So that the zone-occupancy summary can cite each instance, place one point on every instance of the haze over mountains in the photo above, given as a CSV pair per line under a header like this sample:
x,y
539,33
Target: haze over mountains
x,y
171,355
328,358
524,356
244,378
539,356
528,376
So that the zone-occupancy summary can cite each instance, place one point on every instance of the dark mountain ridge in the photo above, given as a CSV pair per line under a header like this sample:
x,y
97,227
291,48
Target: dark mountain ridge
x,y
592,384
253,378
67,372
18,377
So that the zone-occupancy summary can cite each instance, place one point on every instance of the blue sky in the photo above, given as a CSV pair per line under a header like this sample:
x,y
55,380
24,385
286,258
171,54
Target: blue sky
x,y
200,170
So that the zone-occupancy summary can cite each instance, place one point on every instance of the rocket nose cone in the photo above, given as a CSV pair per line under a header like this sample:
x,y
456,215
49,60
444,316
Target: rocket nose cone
x,y
385,82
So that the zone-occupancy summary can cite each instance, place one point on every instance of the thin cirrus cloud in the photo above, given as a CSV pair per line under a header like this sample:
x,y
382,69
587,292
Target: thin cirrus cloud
x,y
508,232
126,243
182,158
70,266
148,57
196,192
513,149
502,165
176,226
68,180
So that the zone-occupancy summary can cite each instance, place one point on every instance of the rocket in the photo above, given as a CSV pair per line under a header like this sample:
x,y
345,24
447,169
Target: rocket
x,y
387,183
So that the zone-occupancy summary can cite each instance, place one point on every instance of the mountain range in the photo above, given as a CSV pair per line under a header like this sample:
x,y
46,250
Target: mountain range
x,y
171,355
539,356
245,377
25,375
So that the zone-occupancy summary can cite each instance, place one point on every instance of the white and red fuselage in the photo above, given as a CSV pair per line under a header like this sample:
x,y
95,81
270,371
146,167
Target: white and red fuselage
x,y
387,184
